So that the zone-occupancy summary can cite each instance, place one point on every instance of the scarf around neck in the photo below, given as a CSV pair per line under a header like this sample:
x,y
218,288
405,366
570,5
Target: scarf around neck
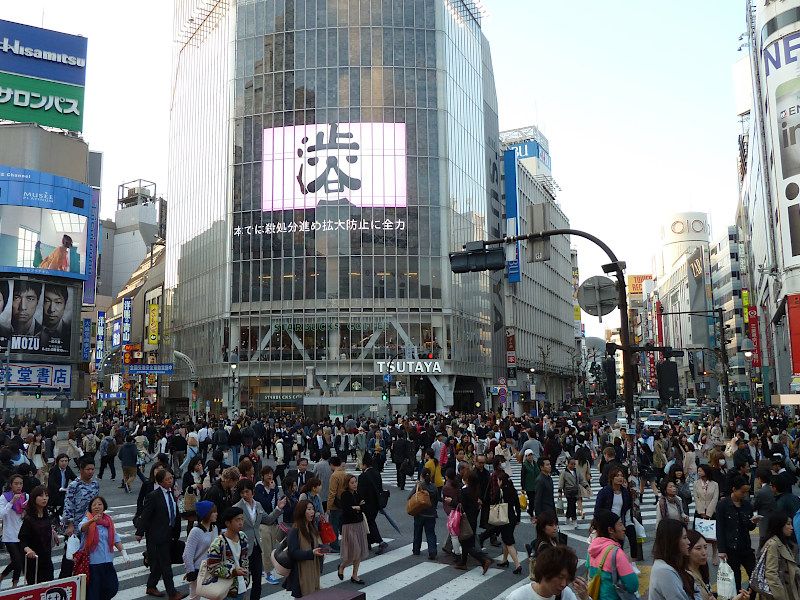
x,y
93,537
19,505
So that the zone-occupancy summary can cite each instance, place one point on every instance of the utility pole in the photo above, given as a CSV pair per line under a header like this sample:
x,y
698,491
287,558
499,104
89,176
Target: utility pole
x,y
389,388
478,258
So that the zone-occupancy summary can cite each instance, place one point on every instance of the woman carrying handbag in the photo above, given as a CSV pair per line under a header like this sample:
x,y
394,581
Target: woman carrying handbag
x,y
508,494
36,537
198,542
468,505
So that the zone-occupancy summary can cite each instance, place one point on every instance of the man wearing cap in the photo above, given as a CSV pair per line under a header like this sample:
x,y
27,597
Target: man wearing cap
x,y
528,475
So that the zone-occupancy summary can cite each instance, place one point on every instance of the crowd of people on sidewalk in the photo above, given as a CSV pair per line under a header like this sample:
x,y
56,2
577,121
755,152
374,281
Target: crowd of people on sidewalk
x,y
266,499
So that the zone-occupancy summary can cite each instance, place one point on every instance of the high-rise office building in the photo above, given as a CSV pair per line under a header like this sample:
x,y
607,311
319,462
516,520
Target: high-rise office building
x,y
324,159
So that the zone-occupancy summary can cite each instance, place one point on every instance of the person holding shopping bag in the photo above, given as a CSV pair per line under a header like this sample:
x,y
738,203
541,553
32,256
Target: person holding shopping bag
x,y
198,542
228,556
12,509
98,539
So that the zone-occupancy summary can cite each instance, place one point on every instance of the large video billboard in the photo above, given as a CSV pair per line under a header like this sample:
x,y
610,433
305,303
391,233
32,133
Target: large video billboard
x,y
42,76
308,165
36,316
44,223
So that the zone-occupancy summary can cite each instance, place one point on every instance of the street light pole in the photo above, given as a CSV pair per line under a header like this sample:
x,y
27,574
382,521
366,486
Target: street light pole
x,y
389,387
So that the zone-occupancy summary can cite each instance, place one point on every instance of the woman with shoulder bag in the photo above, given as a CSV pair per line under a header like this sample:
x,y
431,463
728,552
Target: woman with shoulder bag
x,y
426,520
570,484
304,549
12,508
468,504
706,496
781,572
507,493
668,578
198,542
228,554
354,544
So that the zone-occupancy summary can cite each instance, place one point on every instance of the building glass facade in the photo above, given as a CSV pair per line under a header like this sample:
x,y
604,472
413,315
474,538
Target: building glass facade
x,y
344,154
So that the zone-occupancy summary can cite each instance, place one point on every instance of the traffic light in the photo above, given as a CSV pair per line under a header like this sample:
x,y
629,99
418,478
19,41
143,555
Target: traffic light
x,y
610,373
38,394
477,258
705,373
539,219
385,394
667,375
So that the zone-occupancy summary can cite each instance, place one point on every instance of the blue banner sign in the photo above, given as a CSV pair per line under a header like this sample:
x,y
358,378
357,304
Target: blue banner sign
x,y
86,339
100,343
113,396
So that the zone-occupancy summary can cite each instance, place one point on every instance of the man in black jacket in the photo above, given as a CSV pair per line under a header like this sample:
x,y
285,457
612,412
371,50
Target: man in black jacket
x,y
220,492
370,485
57,481
735,521
544,497
161,523
177,446
401,451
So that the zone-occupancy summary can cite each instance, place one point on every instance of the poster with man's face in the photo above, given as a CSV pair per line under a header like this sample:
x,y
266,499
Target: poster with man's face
x,y
35,316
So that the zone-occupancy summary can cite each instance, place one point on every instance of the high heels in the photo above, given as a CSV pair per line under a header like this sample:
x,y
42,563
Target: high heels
x,y
503,564
340,573
358,581
518,570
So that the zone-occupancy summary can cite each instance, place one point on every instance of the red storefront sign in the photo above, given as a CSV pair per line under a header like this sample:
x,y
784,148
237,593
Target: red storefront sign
x,y
793,310
752,316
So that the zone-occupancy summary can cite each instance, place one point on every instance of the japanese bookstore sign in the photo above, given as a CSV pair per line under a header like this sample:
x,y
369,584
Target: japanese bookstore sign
x,y
44,223
36,317
42,376
86,340
127,305
100,342
361,163
42,76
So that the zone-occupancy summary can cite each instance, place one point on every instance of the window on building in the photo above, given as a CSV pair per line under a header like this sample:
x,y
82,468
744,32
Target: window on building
x,y
26,246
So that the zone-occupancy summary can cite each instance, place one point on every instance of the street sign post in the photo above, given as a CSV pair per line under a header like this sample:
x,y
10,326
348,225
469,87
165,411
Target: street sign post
x,y
387,378
598,296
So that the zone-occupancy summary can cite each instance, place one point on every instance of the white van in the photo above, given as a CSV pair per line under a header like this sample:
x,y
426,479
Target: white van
x,y
649,400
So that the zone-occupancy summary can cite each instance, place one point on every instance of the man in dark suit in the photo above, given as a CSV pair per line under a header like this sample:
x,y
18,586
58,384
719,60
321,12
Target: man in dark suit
x,y
161,523
316,445
58,480
401,451
369,487
301,472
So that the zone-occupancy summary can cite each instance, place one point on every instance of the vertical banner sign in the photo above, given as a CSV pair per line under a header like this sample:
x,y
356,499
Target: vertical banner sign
x,y
92,237
153,334
783,98
752,322
86,339
512,222
100,343
746,305
511,353
659,328
127,304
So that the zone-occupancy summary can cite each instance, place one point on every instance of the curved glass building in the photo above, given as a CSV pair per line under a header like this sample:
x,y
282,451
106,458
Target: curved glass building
x,y
325,156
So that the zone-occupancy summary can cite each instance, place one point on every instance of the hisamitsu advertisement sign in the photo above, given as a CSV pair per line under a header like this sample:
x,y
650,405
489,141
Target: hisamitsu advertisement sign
x,y
42,76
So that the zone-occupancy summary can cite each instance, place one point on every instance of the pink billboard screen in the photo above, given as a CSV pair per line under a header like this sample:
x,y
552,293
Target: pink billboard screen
x,y
362,163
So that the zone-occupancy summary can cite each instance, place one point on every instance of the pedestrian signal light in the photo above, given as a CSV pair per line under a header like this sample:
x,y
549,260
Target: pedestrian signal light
x,y
38,394
385,395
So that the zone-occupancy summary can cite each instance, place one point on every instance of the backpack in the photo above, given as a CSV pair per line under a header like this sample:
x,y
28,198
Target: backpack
x,y
111,448
91,444
222,436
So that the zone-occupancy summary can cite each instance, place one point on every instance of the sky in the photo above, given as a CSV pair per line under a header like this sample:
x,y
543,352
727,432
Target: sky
x,y
636,99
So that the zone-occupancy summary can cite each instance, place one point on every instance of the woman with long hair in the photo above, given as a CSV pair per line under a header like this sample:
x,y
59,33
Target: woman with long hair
x,y
616,497
432,464
99,538
12,509
682,489
719,472
354,544
546,534
697,564
212,474
706,496
304,549
782,571
610,533
468,504
36,454
73,451
311,491
36,537
668,578
508,493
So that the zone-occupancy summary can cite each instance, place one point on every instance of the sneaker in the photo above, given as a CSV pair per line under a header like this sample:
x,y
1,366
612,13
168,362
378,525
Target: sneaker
x,y
271,580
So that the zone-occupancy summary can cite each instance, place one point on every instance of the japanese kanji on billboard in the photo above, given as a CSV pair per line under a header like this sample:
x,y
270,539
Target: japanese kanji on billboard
x,y
363,164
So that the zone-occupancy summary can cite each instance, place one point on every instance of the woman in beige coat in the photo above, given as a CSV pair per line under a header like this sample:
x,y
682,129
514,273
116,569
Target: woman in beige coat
x,y
782,572
706,496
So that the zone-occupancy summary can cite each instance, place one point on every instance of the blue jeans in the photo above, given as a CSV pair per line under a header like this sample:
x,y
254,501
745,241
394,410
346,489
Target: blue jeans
x,y
235,456
103,582
429,524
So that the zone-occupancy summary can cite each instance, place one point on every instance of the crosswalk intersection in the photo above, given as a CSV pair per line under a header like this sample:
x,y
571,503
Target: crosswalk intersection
x,y
394,575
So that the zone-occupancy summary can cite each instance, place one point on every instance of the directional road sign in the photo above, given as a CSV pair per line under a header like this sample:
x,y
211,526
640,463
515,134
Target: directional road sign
x,y
387,378
598,296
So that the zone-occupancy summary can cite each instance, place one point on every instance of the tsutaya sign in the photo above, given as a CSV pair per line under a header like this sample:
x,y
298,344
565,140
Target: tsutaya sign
x,y
410,367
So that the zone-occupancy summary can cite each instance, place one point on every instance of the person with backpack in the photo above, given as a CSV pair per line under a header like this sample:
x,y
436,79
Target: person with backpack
x,y
108,453
220,440
610,533
90,445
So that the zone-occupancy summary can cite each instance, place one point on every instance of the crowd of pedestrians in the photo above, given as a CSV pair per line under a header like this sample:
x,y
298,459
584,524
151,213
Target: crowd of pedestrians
x,y
255,491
